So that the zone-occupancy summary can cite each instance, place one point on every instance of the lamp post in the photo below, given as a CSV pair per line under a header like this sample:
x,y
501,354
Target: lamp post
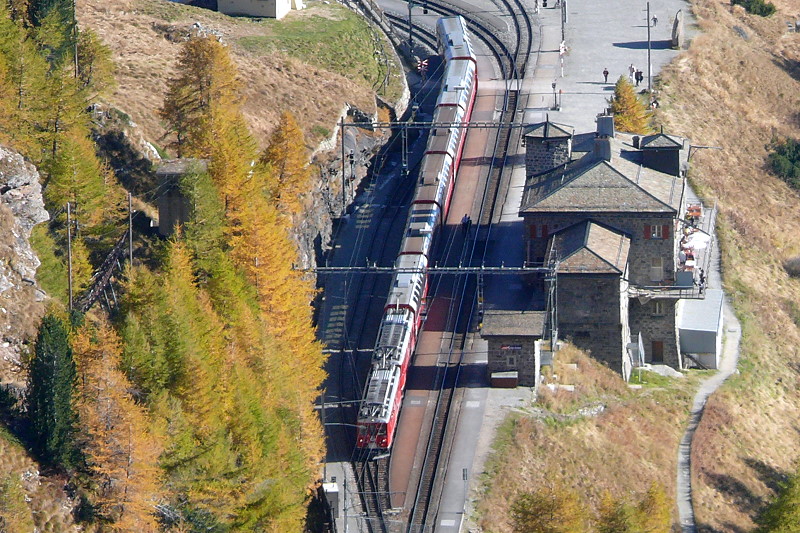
x,y
555,101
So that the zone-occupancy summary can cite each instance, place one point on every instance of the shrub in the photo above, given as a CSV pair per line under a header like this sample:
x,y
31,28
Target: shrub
x,y
784,160
792,266
757,7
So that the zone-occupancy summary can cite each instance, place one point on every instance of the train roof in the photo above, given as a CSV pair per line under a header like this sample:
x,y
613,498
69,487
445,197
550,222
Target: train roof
x,y
457,73
391,339
454,37
379,394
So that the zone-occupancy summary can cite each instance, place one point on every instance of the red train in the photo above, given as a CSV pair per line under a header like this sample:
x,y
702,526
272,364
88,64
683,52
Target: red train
x,y
397,336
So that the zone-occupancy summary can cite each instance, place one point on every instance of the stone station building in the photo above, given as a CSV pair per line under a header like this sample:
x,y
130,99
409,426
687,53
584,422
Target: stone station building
x,y
607,212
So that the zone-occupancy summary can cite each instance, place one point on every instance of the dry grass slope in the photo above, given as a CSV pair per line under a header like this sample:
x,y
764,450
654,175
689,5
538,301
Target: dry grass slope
x,y
142,35
623,449
50,508
739,94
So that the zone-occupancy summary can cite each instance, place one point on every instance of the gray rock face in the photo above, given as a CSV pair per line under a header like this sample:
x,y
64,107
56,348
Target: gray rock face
x,y
21,208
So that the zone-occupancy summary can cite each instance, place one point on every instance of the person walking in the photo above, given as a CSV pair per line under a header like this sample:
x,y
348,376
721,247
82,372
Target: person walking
x,y
655,21
639,77
605,75
631,72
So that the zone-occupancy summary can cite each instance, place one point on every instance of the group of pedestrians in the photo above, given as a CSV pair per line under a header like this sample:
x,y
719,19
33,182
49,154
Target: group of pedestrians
x,y
636,76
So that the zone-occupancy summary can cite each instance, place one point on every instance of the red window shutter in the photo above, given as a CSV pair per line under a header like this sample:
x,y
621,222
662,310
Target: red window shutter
x,y
544,230
532,231
647,232
666,231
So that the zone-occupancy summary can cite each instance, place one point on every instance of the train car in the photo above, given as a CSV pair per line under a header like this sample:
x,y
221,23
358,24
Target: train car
x,y
405,306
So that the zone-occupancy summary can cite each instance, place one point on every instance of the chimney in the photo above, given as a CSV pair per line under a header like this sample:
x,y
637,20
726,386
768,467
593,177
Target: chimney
x,y
602,149
605,126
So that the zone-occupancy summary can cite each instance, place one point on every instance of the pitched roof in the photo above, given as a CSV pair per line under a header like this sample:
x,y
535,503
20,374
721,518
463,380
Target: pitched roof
x,y
661,140
589,248
595,185
518,323
548,130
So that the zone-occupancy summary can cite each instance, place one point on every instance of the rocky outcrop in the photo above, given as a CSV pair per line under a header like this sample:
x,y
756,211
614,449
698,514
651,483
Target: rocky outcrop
x,y
121,143
327,200
21,208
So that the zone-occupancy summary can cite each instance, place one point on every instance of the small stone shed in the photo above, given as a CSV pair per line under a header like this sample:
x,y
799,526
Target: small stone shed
x,y
512,337
700,328
173,207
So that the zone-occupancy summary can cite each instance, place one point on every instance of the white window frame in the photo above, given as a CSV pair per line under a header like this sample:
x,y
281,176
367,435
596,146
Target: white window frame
x,y
657,232
659,308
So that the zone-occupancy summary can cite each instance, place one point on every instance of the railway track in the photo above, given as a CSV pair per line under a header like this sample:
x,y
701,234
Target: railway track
x,y
372,473
425,508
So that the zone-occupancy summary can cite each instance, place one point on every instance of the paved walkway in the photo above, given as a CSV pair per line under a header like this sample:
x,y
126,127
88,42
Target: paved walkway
x,y
730,358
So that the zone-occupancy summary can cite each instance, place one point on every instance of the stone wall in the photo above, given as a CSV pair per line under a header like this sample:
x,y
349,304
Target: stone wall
x,y
521,360
542,155
590,315
642,251
656,325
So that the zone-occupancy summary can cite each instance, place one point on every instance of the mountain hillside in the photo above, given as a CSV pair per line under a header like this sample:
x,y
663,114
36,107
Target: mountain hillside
x,y
737,87
146,35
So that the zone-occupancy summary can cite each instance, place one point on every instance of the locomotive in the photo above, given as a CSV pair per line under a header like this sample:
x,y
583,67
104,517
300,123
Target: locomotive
x,y
405,306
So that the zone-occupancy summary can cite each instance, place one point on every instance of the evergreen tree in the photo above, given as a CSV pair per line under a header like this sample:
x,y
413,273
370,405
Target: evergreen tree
x,y
655,510
630,113
616,516
26,73
40,10
121,452
287,156
554,509
95,67
783,515
206,78
51,382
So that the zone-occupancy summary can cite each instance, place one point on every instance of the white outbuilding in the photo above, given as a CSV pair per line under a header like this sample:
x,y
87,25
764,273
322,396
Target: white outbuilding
x,y
259,8
700,329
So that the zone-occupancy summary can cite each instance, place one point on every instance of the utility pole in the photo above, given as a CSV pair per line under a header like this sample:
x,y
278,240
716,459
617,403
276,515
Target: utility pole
x,y
75,36
130,230
69,254
649,66
344,182
410,29
351,183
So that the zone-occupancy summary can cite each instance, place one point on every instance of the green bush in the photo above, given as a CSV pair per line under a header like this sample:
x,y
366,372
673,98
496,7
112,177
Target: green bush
x,y
757,7
784,160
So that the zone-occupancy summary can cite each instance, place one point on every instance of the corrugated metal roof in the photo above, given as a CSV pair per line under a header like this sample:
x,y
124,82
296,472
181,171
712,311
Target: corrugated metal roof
x,y
702,315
